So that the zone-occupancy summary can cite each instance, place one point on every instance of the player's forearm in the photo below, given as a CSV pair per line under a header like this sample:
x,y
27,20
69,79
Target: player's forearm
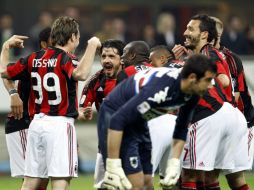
x,y
114,143
224,80
177,148
4,57
9,84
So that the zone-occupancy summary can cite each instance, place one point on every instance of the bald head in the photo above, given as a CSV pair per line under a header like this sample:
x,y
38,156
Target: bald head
x,y
136,52
139,48
159,55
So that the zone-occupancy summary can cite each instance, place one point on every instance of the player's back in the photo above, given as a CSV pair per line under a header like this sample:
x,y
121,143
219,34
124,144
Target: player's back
x,y
53,88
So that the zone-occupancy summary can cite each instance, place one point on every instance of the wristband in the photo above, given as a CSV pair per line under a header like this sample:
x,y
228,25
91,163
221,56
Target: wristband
x,y
13,91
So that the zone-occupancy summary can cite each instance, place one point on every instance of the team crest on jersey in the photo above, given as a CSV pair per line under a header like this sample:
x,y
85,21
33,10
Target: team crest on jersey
x,y
143,107
82,100
134,162
75,62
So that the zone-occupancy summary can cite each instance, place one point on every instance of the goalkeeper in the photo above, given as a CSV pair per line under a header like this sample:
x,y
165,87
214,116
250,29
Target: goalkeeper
x,y
142,97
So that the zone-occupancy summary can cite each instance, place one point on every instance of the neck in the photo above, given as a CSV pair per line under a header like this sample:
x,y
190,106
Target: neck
x,y
64,48
140,60
200,46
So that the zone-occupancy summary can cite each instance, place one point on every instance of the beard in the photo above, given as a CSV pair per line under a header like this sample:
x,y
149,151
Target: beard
x,y
192,42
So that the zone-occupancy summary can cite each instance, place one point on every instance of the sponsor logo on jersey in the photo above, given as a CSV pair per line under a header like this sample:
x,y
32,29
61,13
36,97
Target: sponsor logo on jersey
x,y
160,96
201,164
100,89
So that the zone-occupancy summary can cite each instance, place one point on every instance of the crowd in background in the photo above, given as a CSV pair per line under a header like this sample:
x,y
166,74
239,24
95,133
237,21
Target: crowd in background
x,y
238,37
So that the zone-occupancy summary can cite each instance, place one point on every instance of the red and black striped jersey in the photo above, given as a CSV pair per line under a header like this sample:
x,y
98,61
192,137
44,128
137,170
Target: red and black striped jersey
x,y
244,102
214,98
222,68
96,89
53,90
210,103
131,70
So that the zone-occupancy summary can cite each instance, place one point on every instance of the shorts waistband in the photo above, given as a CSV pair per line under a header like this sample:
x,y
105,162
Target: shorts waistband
x,y
54,118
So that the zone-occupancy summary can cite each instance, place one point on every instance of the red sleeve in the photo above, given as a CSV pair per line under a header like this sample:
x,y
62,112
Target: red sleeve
x,y
221,68
69,66
88,95
89,91
240,79
16,70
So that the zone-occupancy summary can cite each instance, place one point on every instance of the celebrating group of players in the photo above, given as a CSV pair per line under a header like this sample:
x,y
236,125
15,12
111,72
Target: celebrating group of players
x,y
185,110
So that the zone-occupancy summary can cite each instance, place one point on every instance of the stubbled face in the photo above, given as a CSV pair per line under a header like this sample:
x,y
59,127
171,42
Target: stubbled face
x,y
192,34
200,86
110,60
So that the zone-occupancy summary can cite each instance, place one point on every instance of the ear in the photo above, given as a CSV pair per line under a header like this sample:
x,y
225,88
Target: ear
x,y
204,35
43,44
132,56
192,78
73,37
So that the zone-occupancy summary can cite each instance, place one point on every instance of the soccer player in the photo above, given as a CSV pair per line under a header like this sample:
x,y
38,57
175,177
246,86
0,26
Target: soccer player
x,y
53,72
135,58
98,87
235,177
142,97
212,108
160,55
17,122
163,126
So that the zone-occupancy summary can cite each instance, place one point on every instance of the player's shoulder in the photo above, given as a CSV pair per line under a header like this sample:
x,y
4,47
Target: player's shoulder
x,y
95,78
65,57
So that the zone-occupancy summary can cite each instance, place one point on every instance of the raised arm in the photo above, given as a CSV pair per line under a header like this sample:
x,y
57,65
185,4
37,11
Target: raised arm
x,y
84,67
14,41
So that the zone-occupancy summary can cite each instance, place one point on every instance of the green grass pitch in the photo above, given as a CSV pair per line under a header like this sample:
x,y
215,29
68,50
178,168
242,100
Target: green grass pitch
x,y
85,182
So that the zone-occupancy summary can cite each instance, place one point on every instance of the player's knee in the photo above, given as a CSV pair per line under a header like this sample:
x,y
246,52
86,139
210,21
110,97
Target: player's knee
x,y
148,182
211,177
236,180
136,181
188,175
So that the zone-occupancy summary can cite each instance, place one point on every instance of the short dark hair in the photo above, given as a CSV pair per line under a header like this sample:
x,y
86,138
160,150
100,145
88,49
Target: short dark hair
x,y
207,24
62,30
44,35
198,64
171,55
112,43
140,48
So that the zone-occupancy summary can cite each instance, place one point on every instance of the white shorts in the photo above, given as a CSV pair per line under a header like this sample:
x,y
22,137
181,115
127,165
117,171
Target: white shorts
x,y
161,132
251,146
99,172
16,145
51,147
243,149
210,141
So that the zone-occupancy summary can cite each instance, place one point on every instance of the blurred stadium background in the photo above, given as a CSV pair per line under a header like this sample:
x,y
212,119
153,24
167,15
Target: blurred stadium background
x,y
132,20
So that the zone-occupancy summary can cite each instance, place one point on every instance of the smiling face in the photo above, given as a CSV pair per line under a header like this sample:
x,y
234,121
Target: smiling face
x,y
110,60
192,34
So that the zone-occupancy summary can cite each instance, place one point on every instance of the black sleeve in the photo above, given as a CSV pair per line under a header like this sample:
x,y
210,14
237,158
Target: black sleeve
x,y
184,118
